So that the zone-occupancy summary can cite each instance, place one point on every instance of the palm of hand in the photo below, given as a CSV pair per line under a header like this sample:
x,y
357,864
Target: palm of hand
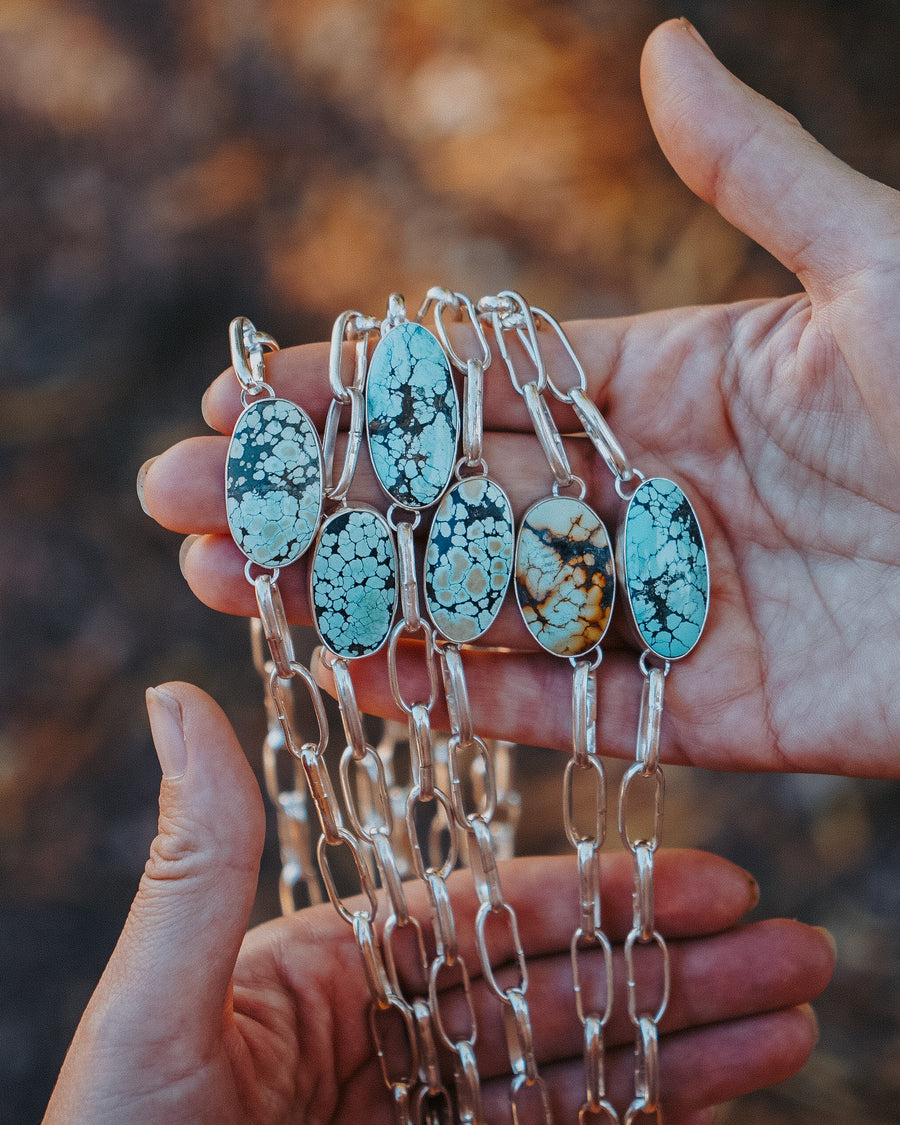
x,y
772,419
761,410
295,1044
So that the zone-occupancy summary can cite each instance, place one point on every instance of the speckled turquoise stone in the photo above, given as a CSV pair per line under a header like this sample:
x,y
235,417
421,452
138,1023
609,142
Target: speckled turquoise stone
x,y
353,582
273,482
468,559
412,416
565,576
664,568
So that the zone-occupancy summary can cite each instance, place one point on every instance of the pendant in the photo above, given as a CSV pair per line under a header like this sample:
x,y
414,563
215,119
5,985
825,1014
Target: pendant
x,y
565,576
412,416
468,559
273,482
353,582
664,569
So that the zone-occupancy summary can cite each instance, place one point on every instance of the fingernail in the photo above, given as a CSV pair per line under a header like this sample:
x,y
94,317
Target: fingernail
x,y
167,728
829,937
754,890
142,474
203,404
691,30
184,551
806,1010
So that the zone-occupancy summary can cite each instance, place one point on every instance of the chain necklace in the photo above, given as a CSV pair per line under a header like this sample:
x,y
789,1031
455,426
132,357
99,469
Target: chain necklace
x,y
460,804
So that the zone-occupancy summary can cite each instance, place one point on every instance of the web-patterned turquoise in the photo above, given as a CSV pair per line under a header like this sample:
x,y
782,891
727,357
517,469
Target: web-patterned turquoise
x,y
664,568
353,582
468,559
412,416
273,482
565,575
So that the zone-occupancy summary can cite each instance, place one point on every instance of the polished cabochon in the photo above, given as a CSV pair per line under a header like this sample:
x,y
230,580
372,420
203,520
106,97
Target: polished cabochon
x,y
469,558
412,416
353,582
564,575
664,568
273,482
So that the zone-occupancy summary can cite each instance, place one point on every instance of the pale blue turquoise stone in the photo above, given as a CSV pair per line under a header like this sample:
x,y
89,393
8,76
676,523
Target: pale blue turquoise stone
x,y
468,559
565,575
665,568
273,482
353,582
412,416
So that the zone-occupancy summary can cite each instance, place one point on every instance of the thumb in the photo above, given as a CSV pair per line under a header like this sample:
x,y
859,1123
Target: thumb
x,y
758,167
178,949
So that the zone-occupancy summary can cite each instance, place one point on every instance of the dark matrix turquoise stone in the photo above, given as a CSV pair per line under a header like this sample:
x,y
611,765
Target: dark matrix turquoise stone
x,y
665,570
273,482
468,559
353,582
412,415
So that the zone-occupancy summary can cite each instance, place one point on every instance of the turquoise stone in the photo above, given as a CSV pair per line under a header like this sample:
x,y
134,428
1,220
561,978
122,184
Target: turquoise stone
x,y
273,482
565,576
353,582
664,568
468,559
412,416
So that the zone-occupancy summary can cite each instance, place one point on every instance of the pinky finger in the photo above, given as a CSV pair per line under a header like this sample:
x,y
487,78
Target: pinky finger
x,y
698,1069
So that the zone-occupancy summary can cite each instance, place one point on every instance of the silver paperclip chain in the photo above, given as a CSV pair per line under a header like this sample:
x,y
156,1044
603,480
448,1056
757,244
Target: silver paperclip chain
x,y
593,1013
645,1012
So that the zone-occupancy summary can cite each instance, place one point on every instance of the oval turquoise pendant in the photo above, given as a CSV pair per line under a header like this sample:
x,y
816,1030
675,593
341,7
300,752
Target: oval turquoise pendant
x,y
353,582
468,559
565,576
412,416
273,482
664,568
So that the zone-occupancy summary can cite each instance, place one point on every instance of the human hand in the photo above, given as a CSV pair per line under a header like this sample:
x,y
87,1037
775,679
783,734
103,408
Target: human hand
x,y
195,1022
779,418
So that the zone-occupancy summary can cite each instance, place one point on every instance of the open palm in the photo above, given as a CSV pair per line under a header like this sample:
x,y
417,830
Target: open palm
x,y
779,418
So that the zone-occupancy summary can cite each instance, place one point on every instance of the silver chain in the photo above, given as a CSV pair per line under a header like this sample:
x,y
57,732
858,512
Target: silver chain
x,y
459,783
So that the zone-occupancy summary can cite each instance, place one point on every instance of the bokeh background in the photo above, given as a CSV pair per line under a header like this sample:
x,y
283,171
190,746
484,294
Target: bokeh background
x,y
165,166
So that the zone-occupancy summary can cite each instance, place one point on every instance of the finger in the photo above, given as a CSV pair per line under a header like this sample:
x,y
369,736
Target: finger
x,y
526,697
695,893
748,971
165,994
180,943
184,488
301,373
697,1069
760,169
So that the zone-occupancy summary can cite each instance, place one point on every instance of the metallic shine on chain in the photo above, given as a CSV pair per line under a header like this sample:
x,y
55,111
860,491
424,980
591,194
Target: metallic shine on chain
x,y
460,803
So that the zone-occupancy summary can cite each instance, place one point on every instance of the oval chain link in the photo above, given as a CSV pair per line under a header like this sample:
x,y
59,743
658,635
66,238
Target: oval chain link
x,y
587,843
373,799
644,1012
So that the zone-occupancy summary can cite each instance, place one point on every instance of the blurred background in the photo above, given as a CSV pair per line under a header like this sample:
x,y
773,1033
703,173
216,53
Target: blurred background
x,y
166,166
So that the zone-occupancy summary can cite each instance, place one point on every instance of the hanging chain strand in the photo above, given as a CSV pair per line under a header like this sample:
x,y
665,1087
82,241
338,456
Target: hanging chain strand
x,y
461,784
586,765
510,312
282,671
645,1008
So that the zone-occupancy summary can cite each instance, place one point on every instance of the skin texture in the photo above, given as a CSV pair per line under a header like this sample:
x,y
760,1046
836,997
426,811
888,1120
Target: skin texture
x,y
778,418
196,1021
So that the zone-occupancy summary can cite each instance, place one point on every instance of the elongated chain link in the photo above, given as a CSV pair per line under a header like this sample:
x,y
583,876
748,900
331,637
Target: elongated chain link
x,y
298,883
594,1011
647,1004
493,909
462,784
510,313
282,672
